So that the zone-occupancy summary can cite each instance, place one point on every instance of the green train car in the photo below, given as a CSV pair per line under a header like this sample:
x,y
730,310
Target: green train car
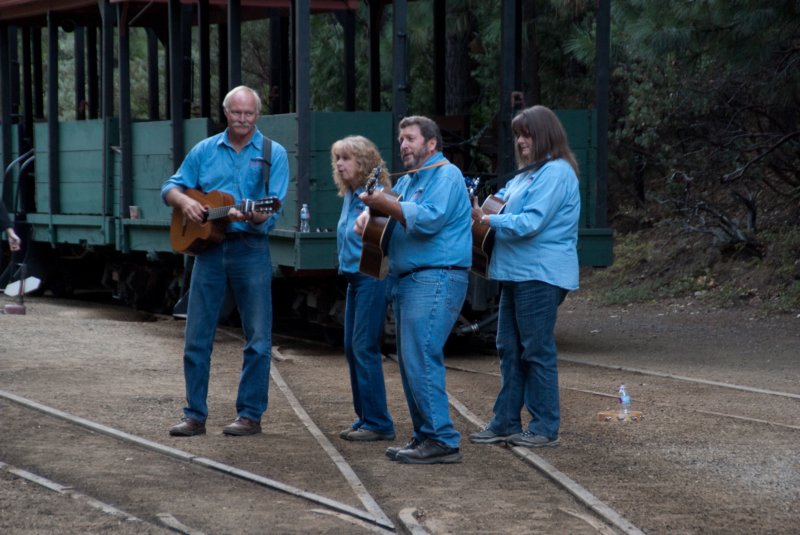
x,y
86,192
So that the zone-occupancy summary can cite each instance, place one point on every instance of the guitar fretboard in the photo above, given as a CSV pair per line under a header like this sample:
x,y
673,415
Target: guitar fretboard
x,y
222,211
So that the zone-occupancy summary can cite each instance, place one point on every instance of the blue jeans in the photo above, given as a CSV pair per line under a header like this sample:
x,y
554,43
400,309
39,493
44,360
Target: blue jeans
x,y
427,305
526,344
243,265
365,311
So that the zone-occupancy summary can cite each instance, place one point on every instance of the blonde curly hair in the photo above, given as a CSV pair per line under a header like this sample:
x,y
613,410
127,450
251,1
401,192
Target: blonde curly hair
x,y
367,158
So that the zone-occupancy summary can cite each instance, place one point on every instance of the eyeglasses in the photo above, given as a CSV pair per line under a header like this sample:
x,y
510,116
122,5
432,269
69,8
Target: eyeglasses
x,y
246,114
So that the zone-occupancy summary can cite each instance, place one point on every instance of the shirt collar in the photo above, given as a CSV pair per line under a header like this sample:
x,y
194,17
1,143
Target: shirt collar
x,y
256,140
435,158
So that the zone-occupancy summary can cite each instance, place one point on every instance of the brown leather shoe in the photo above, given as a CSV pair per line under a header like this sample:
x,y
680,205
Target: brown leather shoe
x,y
187,427
242,427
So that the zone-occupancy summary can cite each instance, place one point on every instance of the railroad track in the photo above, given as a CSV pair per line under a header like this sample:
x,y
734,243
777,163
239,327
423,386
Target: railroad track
x,y
126,445
679,378
367,516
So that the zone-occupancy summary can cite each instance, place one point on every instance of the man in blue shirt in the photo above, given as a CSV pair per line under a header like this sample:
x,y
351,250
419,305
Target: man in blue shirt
x,y
230,162
430,252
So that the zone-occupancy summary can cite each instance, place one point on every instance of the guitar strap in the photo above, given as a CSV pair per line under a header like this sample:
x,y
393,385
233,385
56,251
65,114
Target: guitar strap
x,y
412,171
267,167
502,179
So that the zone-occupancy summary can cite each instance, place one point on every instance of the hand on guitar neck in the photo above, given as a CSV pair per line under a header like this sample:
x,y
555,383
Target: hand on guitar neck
x,y
383,202
482,233
369,187
472,188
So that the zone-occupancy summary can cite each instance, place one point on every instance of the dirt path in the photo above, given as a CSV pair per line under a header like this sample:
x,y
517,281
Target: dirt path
x,y
706,458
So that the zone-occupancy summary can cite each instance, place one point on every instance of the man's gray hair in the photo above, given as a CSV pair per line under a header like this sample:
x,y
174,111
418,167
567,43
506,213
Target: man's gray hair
x,y
242,88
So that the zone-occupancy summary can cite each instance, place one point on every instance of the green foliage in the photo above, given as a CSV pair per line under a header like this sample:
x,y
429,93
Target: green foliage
x,y
568,79
700,83
783,264
255,56
569,82
67,104
327,64
665,263
706,125
789,299
138,70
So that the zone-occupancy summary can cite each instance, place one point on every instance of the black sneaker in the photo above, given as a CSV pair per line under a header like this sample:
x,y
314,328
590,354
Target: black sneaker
x,y
526,439
392,452
429,452
486,436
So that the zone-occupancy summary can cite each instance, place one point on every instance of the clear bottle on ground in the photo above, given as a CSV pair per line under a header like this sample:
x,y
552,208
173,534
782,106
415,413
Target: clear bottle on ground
x,y
305,217
624,400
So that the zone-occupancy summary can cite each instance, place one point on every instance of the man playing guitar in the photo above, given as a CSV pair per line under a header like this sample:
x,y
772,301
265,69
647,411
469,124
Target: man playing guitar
x,y
231,163
430,252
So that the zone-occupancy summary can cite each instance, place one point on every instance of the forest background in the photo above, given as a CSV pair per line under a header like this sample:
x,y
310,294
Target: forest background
x,y
704,140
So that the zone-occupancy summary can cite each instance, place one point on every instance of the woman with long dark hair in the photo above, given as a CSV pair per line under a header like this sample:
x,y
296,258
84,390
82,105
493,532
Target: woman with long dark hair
x,y
535,259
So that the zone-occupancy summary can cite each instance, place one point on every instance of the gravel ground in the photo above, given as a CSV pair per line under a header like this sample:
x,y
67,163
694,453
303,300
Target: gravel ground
x,y
716,452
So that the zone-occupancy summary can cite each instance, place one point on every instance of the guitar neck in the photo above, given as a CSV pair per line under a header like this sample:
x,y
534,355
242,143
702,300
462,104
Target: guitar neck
x,y
219,212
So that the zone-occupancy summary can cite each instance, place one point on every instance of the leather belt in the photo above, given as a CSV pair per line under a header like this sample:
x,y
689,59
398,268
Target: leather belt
x,y
426,268
240,235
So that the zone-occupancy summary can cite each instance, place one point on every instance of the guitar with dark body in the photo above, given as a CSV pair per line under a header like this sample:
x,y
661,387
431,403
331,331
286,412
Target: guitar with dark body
x,y
193,238
482,233
376,235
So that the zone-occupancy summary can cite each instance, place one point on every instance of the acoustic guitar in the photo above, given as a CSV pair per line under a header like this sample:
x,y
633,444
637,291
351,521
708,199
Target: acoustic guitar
x,y
192,238
483,237
377,233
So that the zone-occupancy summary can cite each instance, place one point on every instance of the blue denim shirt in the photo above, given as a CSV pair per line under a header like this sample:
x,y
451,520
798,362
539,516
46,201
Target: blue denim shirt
x,y
436,207
213,164
537,231
347,241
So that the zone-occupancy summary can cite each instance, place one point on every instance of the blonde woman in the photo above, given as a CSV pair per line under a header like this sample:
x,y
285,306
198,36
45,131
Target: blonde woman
x,y
352,161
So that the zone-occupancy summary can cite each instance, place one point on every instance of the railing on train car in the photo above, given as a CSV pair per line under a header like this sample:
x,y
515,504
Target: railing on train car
x,y
89,216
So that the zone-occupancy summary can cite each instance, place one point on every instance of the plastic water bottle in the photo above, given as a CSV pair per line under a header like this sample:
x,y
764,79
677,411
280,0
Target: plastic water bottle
x,y
305,216
624,400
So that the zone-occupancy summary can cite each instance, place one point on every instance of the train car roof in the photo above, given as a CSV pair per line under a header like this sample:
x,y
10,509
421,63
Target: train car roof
x,y
34,12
